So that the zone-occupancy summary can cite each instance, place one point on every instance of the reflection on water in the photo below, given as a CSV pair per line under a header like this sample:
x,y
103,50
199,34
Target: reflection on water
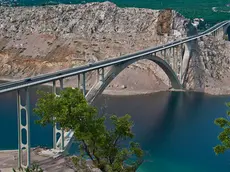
x,y
175,129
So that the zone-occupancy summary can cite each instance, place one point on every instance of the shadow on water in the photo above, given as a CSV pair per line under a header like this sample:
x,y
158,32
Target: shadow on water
x,y
164,126
153,117
175,129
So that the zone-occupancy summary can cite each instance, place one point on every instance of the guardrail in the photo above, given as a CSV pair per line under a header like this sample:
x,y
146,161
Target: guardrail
x,y
45,78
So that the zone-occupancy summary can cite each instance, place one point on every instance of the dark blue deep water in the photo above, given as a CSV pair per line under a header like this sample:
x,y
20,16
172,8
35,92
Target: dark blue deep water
x,y
175,129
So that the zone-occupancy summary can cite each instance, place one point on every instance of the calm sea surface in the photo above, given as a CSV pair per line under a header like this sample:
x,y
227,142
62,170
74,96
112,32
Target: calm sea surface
x,y
189,8
175,129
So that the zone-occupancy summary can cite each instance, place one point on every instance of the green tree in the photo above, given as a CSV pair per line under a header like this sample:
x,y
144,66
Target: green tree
x,y
224,136
105,147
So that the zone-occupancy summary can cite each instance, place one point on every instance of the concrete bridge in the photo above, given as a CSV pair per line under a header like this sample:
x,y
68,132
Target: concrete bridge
x,y
172,57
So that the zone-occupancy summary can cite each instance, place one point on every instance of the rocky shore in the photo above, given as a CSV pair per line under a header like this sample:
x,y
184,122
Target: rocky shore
x,y
38,40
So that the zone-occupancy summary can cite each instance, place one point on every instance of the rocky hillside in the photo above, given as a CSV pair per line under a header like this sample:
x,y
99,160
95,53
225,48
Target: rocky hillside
x,y
209,67
36,40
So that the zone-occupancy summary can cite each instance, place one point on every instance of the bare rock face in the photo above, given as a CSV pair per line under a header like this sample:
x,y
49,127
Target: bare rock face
x,y
209,69
82,20
164,22
38,40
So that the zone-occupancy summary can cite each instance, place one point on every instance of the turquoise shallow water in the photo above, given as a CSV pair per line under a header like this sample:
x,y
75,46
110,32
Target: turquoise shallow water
x,y
189,8
176,130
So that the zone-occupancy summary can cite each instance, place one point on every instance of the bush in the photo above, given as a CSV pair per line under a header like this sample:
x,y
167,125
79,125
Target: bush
x,y
224,136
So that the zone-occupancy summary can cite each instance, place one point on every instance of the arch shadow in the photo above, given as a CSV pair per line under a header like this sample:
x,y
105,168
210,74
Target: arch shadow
x,y
100,86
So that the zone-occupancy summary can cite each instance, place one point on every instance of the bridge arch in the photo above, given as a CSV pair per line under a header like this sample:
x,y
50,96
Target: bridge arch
x,y
100,86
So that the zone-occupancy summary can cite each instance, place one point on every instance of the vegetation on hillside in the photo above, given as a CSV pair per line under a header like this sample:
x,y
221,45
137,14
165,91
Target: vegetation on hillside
x,y
106,147
224,136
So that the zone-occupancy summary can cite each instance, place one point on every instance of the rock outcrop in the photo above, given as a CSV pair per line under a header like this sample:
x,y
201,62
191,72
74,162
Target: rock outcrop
x,y
164,22
209,69
37,40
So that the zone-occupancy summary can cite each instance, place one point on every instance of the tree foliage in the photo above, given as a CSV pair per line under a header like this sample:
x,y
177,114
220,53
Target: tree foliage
x,y
105,147
224,136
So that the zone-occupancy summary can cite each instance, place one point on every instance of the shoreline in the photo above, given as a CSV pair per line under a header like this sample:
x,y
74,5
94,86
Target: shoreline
x,y
127,92
124,92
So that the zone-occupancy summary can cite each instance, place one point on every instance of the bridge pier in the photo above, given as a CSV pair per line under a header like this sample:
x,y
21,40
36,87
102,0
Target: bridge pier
x,y
214,33
226,32
83,85
174,60
165,56
219,33
185,60
101,74
181,61
55,128
79,81
23,146
178,62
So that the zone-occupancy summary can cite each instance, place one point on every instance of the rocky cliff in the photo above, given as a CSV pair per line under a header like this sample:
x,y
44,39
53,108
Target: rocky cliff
x,y
36,40
209,67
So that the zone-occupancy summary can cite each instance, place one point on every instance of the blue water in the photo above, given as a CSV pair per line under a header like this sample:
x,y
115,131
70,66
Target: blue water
x,y
189,8
176,130
8,124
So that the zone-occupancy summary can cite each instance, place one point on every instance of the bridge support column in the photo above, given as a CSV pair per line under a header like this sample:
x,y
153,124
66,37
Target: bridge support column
x,y
23,146
55,128
101,74
185,60
174,60
165,54
83,84
161,53
177,56
181,62
78,81
171,58
214,33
